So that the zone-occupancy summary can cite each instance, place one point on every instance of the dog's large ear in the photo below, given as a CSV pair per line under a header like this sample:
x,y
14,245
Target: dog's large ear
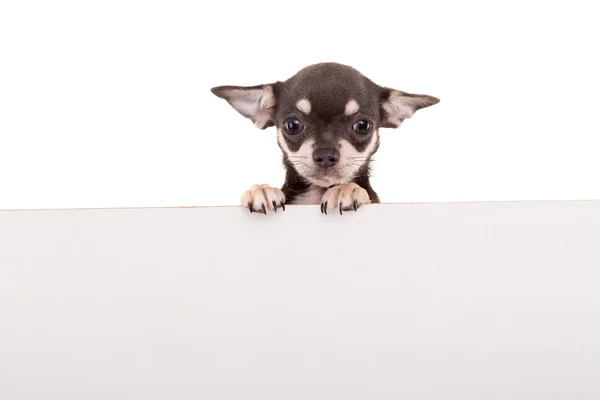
x,y
396,106
254,102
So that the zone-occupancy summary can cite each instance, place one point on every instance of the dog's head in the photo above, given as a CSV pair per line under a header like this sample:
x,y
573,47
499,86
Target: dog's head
x,y
327,116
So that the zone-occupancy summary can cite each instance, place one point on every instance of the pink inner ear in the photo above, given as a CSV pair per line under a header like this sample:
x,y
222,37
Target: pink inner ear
x,y
389,123
396,110
401,105
263,119
255,104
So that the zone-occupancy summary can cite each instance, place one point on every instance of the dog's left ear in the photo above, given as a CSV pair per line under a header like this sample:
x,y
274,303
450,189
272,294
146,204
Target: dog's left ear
x,y
256,103
396,106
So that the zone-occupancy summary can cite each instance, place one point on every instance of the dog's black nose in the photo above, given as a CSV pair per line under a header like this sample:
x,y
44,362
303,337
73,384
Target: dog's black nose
x,y
326,157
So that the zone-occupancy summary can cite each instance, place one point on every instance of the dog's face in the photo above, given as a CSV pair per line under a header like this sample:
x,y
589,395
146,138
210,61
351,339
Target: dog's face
x,y
327,117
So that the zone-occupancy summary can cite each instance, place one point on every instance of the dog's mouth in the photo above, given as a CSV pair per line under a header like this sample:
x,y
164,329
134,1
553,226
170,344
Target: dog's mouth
x,y
327,176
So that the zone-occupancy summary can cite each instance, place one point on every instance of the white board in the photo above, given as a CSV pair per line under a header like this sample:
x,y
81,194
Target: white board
x,y
405,301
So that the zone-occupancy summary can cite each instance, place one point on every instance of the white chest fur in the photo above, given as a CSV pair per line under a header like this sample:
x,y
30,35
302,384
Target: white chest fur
x,y
313,195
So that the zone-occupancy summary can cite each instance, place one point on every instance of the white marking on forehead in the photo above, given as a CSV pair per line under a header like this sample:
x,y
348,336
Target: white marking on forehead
x,y
351,107
304,106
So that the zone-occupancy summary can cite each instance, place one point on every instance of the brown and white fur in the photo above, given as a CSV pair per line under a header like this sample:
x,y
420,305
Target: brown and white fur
x,y
328,118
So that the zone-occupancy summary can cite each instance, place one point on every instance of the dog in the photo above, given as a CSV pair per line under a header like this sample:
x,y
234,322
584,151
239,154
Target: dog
x,y
328,117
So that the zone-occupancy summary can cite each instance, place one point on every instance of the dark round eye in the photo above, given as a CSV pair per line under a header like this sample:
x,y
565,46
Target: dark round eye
x,y
363,127
293,126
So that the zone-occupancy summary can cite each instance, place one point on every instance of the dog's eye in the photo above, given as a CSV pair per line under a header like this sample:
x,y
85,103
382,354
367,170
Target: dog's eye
x,y
293,126
363,127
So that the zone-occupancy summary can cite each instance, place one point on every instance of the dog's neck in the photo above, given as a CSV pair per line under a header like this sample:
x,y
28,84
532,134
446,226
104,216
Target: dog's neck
x,y
298,190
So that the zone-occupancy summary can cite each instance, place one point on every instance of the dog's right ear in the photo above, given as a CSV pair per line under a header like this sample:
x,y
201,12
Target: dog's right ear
x,y
254,102
397,106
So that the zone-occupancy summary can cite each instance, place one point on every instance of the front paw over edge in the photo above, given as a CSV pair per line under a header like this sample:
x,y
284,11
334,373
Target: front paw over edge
x,y
263,199
344,197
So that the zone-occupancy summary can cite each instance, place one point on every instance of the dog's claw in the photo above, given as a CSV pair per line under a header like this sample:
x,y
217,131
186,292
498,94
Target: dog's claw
x,y
345,197
263,199
325,208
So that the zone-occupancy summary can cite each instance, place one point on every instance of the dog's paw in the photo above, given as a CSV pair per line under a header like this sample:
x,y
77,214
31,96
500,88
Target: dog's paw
x,y
263,199
344,197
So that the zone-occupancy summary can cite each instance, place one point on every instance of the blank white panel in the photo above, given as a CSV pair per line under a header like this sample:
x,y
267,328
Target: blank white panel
x,y
397,301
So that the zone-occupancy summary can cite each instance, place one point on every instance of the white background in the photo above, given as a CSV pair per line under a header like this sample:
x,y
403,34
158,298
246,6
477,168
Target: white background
x,y
107,104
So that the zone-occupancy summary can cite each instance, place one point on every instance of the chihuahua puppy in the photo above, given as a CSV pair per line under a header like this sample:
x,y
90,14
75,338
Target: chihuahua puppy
x,y
328,118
